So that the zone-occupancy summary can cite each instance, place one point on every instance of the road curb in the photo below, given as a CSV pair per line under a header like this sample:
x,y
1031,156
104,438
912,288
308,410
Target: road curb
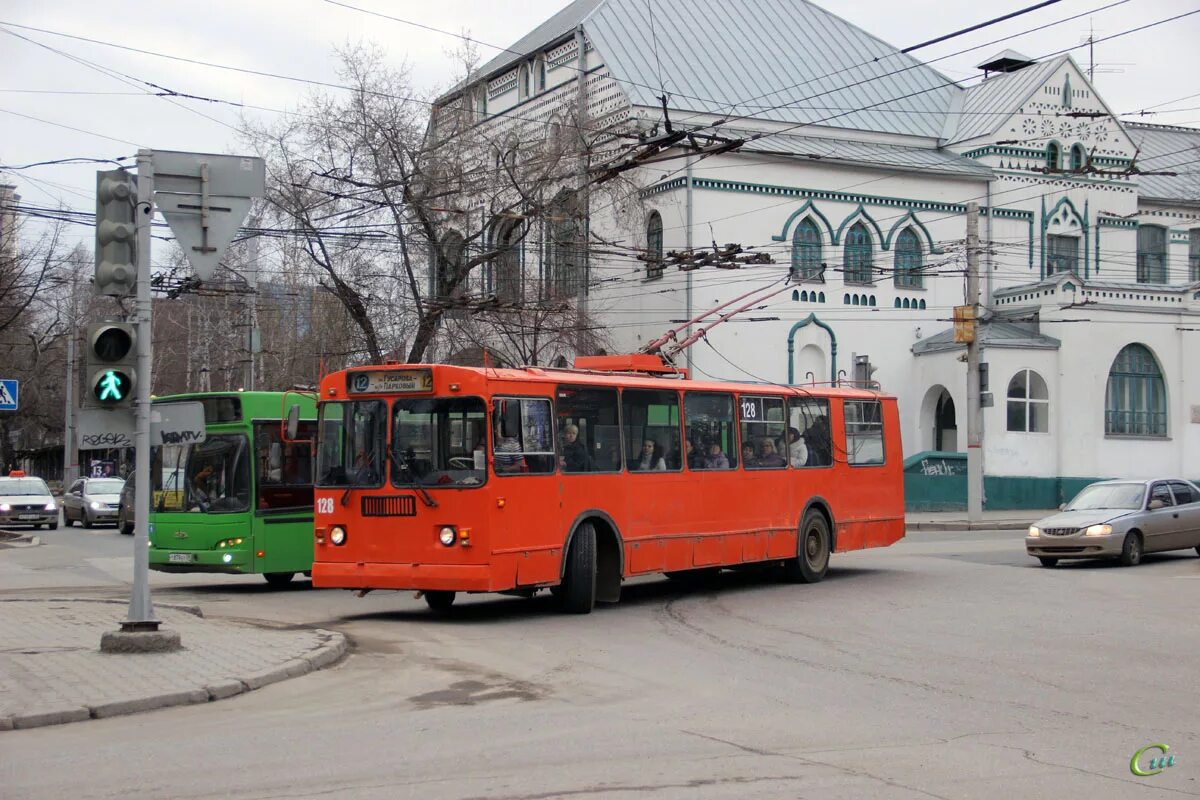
x,y
332,649
965,525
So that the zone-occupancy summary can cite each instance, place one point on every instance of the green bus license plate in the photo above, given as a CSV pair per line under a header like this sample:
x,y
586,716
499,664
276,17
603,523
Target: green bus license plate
x,y
181,558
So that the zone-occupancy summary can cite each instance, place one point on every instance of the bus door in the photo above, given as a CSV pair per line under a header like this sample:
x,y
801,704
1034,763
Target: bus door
x,y
525,535
283,479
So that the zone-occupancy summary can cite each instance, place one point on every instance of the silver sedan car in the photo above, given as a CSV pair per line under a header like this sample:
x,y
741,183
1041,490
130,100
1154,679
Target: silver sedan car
x,y
1120,519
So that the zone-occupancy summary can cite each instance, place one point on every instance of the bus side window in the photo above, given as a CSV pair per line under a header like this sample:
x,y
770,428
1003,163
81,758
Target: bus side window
x,y
762,430
523,440
708,418
864,432
650,419
588,433
812,444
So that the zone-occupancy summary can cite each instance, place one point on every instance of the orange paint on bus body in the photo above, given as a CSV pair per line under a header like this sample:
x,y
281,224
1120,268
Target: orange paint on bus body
x,y
512,531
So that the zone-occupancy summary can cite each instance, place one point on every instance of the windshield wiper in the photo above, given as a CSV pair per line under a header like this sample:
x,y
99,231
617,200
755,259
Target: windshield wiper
x,y
405,467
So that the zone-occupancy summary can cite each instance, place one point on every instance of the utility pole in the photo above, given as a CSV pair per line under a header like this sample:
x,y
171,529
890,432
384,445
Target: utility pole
x,y
252,280
974,415
70,454
583,198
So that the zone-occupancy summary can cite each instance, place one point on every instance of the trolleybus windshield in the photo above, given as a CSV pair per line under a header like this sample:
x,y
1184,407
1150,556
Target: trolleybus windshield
x,y
439,442
351,446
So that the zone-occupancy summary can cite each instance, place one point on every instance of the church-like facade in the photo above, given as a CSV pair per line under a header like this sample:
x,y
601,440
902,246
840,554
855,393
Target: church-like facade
x,y
853,169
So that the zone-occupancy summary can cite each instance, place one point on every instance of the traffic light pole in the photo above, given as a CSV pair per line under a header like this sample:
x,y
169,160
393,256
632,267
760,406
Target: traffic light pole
x,y
141,609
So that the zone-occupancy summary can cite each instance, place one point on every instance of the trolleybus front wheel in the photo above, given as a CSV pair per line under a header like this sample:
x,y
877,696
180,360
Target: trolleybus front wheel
x,y
812,550
278,579
578,595
439,600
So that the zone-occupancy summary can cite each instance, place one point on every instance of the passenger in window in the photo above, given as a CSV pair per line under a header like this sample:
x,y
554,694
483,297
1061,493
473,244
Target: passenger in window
x,y
819,442
796,449
767,455
574,456
695,459
508,454
651,458
749,459
716,458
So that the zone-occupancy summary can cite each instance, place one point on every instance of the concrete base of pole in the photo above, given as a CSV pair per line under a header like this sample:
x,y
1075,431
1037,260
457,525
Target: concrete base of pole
x,y
139,641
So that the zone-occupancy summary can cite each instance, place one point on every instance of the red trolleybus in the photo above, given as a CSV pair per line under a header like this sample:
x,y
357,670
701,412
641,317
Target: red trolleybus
x,y
449,479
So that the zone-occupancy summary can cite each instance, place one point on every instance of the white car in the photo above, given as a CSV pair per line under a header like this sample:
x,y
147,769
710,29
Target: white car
x,y
27,501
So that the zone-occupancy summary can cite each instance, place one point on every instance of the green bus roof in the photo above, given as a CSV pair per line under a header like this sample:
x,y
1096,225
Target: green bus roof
x,y
257,405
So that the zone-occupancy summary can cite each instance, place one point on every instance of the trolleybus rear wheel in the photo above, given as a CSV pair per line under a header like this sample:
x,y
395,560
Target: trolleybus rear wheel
x,y
439,600
812,550
579,584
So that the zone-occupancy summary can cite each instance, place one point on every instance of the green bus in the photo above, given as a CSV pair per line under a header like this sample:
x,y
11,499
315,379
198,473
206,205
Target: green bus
x,y
242,500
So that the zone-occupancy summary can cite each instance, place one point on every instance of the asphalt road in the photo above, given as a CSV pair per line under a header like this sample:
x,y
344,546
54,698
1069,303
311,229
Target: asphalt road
x,y
947,666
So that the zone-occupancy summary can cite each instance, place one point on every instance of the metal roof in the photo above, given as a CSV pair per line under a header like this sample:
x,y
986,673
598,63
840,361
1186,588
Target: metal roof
x,y
720,57
987,105
1167,148
991,334
870,153
548,32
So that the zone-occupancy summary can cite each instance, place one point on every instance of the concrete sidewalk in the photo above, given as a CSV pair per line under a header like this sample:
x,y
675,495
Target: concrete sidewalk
x,y
957,520
52,670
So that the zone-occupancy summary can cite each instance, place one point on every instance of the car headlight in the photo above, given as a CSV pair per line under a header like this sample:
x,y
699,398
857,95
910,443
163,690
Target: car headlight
x,y
1098,530
5,507
1034,531
447,535
95,505
337,535
51,506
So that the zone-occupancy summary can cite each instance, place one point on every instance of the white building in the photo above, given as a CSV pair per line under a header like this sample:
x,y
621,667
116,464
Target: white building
x,y
856,168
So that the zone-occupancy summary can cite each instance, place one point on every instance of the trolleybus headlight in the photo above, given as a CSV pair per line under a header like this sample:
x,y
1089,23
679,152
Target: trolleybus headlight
x,y
447,536
337,535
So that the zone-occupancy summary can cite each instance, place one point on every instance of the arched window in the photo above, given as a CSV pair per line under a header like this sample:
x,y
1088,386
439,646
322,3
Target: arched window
x,y
846,300
806,250
539,70
523,82
1053,155
448,282
1135,401
857,261
654,246
1028,403
1152,254
566,246
821,298
909,260
1078,158
481,101
505,277
896,303
922,306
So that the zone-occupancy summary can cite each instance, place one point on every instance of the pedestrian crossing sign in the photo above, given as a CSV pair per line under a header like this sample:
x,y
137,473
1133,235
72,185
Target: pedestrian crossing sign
x,y
9,394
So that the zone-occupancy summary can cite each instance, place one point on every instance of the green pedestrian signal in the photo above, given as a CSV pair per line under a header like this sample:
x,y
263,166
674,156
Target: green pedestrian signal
x,y
111,388
111,361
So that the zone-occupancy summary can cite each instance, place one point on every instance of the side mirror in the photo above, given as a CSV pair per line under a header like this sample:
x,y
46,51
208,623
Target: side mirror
x,y
293,421
1156,504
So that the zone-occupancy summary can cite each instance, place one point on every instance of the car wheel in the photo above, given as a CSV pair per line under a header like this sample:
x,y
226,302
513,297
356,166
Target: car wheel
x,y
53,526
1198,549
84,519
1048,561
1131,550
278,579
439,601
123,524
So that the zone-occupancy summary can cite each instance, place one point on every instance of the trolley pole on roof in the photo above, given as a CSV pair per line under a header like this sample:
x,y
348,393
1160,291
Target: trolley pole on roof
x,y
974,413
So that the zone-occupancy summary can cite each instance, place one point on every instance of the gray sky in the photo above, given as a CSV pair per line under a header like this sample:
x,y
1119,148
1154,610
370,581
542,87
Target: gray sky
x,y
296,37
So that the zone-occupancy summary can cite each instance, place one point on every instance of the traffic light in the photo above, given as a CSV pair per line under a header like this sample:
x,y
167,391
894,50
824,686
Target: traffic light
x,y
111,358
116,233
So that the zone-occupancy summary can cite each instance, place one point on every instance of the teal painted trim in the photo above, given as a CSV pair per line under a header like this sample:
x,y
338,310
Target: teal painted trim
x,y
1040,154
1031,240
1097,247
855,214
911,217
1080,179
811,319
812,209
1086,241
666,186
1042,261
823,194
1114,222
1006,213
